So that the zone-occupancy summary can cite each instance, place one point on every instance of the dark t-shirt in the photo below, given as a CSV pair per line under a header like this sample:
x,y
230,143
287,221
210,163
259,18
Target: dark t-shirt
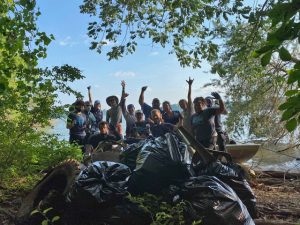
x,y
158,130
174,119
203,124
147,110
80,124
95,139
91,124
98,115
140,129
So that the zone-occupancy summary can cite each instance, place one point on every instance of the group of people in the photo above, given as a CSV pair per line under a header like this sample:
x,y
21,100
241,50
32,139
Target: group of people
x,y
200,117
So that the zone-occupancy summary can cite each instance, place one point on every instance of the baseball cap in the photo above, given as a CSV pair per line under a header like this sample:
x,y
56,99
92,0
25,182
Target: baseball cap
x,y
97,102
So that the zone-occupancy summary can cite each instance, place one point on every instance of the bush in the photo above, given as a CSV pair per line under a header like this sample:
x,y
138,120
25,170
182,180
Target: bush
x,y
32,152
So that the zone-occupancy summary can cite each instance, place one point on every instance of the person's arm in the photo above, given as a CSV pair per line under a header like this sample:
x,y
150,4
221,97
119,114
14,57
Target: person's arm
x,y
190,103
123,99
221,108
141,98
90,95
107,116
119,115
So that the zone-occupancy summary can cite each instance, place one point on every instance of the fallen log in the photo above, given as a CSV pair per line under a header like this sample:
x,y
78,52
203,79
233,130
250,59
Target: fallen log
x,y
270,181
277,174
272,222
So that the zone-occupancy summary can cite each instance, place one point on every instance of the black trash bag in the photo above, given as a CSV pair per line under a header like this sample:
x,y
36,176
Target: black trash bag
x,y
233,175
99,185
160,163
128,155
215,202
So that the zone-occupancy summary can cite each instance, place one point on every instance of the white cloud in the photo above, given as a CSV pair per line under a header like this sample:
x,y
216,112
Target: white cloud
x,y
67,41
154,53
124,74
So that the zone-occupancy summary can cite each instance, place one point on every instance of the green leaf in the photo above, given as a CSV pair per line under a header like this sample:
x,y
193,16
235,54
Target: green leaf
x,y
291,125
266,58
47,210
255,54
294,75
284,106
45,222
34,212
291,93
284,54
55,218
264,49
288,113
297,65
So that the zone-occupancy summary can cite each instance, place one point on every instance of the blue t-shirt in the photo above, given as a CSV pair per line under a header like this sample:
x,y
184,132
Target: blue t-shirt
x,y
161,129
79,125
203,125
174,119
147,110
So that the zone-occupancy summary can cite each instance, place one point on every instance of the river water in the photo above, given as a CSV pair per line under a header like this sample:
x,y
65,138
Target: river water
x,y
265,159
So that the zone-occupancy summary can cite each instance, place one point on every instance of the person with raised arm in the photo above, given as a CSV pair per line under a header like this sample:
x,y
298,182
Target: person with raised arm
x,y
95,109
187,108
114,114
202,121
147,108
129,113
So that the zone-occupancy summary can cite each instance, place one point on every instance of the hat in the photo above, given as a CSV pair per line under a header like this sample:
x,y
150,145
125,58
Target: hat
x,y
97,102
112,97
138,112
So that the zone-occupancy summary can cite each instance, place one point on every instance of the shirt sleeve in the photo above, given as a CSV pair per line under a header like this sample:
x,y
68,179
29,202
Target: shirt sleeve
x,y
146,109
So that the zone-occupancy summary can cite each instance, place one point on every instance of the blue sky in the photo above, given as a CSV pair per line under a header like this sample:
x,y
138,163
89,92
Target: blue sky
x,y
151,66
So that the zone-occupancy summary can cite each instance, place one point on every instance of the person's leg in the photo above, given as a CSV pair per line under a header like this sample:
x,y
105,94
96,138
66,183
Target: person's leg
x,y
221,141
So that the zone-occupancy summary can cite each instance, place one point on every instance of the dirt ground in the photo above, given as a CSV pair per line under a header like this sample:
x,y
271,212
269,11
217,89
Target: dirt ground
x,y
278,201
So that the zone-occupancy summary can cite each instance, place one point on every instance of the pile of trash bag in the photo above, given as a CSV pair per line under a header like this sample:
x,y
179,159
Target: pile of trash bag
x,y
114,193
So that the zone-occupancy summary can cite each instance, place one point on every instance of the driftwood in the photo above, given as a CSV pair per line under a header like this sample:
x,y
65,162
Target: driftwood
x,y
272,222
270,181
295,212
277,174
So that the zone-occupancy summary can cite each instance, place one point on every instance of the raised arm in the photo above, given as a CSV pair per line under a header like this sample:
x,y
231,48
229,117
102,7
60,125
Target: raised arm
x,y
123,99
90,95
221,108
190,82
141,99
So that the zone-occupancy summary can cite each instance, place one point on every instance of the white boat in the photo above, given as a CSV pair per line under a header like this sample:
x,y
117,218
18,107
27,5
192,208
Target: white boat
x,y
242,152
